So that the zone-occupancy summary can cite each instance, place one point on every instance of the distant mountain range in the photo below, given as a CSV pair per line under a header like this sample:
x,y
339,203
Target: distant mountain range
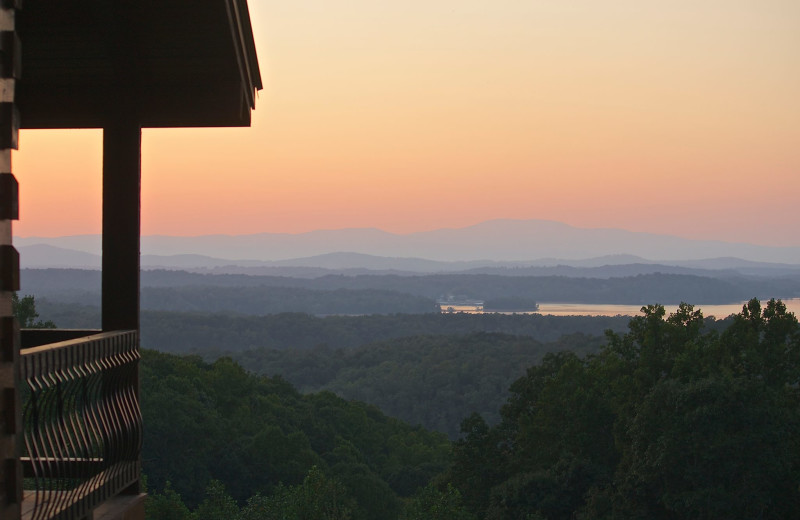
x,y
495,245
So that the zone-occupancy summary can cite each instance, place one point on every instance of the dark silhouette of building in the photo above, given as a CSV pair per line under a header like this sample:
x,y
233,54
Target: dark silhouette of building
x,y
69,412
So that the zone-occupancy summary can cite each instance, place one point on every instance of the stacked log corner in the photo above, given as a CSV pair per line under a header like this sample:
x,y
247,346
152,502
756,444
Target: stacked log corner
x,y
10,413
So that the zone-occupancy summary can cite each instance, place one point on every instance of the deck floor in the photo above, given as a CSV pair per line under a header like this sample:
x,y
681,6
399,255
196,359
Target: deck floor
x,y
121,507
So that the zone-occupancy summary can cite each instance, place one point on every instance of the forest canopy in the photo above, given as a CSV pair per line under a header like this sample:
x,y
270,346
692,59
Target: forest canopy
x,y
667,421
670,419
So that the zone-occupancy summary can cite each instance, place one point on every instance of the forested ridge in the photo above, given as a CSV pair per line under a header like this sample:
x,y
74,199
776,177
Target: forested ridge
x,y
387,293
206,422
195,332
672,419
434,381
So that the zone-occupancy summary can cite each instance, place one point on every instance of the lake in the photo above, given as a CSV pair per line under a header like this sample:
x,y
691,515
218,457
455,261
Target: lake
x,y
598,309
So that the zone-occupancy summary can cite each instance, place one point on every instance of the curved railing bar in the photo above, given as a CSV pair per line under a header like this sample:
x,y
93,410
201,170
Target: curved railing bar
x,y
82,421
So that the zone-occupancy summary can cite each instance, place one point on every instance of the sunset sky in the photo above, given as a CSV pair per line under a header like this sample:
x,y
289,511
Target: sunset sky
x,y
679,117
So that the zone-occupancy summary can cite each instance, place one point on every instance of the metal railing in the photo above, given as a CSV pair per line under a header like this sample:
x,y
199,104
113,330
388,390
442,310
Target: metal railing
x,y
82,426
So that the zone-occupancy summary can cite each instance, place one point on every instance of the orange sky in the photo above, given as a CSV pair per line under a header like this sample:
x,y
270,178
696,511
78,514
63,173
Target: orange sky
x,y
678,117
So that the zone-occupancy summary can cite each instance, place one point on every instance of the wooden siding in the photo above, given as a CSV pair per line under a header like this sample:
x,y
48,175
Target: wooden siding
x,y
10,414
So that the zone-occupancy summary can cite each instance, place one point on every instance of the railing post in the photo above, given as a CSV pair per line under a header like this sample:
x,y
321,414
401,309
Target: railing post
x,y
10,413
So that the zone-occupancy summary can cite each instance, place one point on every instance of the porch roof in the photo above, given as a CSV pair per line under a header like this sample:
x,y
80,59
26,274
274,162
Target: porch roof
x,y
161,63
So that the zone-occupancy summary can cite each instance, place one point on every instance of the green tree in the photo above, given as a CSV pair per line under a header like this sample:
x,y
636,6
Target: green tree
x,y
715,447
479,462
762,343
322,498
317,498
24,310
218,504
276,506
167,505
431,503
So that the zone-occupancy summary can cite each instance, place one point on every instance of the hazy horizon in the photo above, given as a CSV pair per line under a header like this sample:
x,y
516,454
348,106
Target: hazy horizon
x,y
406,233
494,240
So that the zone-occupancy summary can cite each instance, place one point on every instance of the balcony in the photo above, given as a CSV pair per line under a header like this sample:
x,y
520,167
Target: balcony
x,y
121,66
82,426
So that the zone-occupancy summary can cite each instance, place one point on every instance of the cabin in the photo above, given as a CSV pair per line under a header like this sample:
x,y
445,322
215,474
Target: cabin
x,y
70,424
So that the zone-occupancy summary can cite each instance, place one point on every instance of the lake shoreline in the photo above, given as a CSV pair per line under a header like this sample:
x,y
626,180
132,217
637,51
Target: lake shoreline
x,y
600,309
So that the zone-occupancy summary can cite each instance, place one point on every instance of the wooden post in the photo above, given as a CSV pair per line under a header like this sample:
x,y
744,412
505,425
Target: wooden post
x,y
122,142
121,225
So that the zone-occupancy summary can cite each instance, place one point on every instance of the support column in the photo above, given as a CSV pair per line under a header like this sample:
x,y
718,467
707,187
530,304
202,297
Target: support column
x,y
122,166
121,225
